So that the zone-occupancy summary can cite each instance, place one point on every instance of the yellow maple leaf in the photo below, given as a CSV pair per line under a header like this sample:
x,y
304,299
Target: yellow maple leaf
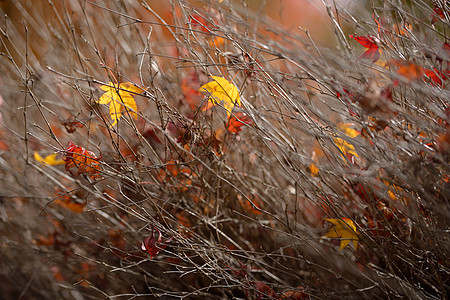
x,y
221,92
119,99
49,159
343,145
344,229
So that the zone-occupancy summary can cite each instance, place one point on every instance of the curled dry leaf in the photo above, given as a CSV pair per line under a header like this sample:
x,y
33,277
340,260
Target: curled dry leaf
x,y
81,161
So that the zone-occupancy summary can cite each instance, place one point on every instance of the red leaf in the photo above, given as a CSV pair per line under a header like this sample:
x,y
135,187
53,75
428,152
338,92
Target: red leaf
x,y
437,15
446,48
371,53
436,77
151,135
367,42
235,122
201,22
57,273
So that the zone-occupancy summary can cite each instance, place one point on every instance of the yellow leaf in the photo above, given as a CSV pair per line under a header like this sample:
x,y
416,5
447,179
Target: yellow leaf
x,y
119,99
344,229
345,128
314,169
49,159
221,92
343,145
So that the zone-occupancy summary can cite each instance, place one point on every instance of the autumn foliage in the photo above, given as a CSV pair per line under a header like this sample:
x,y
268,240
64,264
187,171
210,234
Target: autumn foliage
x,y
199,150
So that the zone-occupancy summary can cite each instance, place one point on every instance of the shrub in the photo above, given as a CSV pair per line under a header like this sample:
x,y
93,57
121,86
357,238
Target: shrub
x,y
211,153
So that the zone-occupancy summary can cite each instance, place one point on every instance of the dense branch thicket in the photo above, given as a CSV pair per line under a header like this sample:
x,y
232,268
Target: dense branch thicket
x,y
239,208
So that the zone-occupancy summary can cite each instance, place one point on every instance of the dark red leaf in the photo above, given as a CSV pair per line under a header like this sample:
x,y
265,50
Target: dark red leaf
x,y
446,48
152,244
264,290
151,135
71,125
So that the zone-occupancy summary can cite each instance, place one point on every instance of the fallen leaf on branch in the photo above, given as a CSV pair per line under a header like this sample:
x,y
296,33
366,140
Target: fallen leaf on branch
x,y
120,99
81,161
344,229
223,92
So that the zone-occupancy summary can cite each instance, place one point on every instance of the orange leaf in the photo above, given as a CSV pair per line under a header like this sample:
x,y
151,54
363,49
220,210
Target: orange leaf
x,y
247,206
407,70
69,203
45,241
235,122
314,170
297,294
